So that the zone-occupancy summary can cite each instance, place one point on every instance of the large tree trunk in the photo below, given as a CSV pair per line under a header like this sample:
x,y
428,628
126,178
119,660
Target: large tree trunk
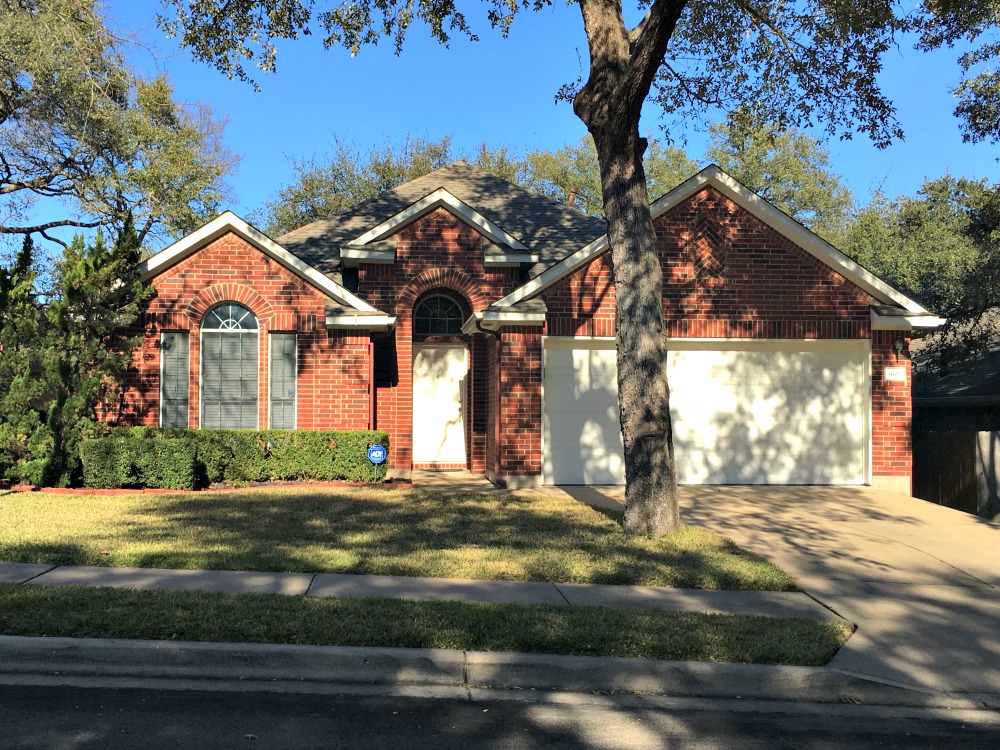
x,y
643,393
622,66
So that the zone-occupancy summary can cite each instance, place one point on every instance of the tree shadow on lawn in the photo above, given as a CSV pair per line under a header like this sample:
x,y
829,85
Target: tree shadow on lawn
x,y
424,533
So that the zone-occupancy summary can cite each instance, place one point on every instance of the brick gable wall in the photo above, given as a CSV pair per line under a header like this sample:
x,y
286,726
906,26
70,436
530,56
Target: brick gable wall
x,y
436,253
760,284
332,383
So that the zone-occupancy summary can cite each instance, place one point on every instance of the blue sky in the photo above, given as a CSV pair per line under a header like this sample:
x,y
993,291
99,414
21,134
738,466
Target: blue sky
x,y
501,92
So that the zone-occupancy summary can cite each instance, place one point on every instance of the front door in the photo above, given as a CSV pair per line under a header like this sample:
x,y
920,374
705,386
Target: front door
x,y
439,376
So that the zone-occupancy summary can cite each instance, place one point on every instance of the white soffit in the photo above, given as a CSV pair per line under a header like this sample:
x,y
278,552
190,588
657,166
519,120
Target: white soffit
x,y
747,199
364,322
905,322
230,222
438,198
494,320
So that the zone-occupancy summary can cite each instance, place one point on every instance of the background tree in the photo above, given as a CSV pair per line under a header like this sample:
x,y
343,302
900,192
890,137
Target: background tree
x,y
788,168
947,23
941,247
324,185
84,143
797,61
575,169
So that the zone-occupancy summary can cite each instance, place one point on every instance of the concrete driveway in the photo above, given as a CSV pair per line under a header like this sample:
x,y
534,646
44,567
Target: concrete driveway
x,y
922,582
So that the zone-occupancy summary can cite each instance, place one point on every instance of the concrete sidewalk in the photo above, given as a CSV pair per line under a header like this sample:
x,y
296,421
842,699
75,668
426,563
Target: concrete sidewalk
x,y
764,603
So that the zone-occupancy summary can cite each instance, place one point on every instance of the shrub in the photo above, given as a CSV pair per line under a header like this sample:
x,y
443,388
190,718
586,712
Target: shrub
x,y
243,456
135,462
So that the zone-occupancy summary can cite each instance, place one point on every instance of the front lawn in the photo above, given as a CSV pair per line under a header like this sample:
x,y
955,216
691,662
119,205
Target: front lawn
x,y
348,530
251,618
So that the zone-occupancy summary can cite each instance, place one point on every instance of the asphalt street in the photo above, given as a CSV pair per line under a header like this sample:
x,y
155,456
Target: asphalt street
x,y
81,718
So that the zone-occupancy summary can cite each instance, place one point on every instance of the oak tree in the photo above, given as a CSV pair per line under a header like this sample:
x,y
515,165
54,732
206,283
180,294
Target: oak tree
x,y
85,143
795,62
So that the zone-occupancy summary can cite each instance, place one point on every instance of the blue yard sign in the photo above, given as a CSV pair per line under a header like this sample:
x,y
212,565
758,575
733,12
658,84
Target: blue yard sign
x,y
376,454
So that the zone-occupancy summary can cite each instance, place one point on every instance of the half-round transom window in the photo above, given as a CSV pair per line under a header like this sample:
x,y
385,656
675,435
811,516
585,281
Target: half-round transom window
x,y
437,316
229,317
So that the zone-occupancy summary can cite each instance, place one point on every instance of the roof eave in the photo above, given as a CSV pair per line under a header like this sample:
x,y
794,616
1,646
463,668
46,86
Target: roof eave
x,y
229,222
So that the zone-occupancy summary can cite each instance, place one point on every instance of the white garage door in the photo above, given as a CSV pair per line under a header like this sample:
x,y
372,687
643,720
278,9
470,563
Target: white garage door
x,y
761,412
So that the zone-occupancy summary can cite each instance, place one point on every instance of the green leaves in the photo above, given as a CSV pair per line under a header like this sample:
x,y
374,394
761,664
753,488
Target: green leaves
x,y
77,127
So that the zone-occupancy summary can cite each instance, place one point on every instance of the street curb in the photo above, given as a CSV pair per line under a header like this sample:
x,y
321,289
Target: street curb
x,y
211,664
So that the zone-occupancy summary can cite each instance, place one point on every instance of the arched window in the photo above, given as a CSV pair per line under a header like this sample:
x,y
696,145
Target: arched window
x,y
438,315
229,346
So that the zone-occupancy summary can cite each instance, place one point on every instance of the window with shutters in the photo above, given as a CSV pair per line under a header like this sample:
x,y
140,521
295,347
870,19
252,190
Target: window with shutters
x,y
229,346
283,371
174,375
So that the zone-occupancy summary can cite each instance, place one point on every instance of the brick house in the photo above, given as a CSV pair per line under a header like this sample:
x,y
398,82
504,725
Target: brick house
x,y
474,321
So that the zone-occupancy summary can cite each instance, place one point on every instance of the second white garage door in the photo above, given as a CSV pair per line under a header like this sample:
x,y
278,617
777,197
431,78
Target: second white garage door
x,y
755,412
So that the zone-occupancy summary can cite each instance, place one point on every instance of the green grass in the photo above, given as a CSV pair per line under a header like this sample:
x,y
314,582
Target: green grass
x,y
413,533
251,618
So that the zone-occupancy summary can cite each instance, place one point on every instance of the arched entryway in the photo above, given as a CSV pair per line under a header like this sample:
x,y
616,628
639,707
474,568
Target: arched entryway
x,y
440,380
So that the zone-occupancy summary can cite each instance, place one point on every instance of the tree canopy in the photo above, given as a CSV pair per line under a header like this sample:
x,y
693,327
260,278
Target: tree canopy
x,y
84,142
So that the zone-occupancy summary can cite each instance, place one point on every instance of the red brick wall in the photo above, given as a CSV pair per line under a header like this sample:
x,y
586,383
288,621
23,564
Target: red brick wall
x,y
520,393
892,408
438,252
333,366
726,274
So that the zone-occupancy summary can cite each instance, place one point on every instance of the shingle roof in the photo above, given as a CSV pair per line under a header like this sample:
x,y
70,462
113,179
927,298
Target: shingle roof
x,y
550,229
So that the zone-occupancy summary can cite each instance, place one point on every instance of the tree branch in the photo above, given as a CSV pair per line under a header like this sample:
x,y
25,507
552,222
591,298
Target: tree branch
x,y
41,228
652,35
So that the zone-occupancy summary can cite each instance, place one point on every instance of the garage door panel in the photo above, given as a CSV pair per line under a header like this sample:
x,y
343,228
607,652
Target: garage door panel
x,y
742,412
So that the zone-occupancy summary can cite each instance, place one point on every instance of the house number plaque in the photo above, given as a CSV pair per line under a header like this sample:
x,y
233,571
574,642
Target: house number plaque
x,y
895,375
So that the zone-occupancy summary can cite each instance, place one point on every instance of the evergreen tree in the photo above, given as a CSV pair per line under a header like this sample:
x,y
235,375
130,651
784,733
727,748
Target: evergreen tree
x,y
20,387
91,334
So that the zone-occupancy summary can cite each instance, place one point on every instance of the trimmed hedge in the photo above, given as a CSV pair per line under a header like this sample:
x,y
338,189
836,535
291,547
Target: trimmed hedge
x,y
133,462
131,456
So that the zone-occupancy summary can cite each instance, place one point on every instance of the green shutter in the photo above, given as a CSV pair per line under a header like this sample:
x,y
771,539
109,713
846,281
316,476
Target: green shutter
x,y
174,385
283,373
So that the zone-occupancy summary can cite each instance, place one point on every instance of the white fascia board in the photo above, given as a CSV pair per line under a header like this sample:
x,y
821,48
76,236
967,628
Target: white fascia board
x,y
369,322
352,257
494,320
438,198
230,222
787,226
905,322
552,274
